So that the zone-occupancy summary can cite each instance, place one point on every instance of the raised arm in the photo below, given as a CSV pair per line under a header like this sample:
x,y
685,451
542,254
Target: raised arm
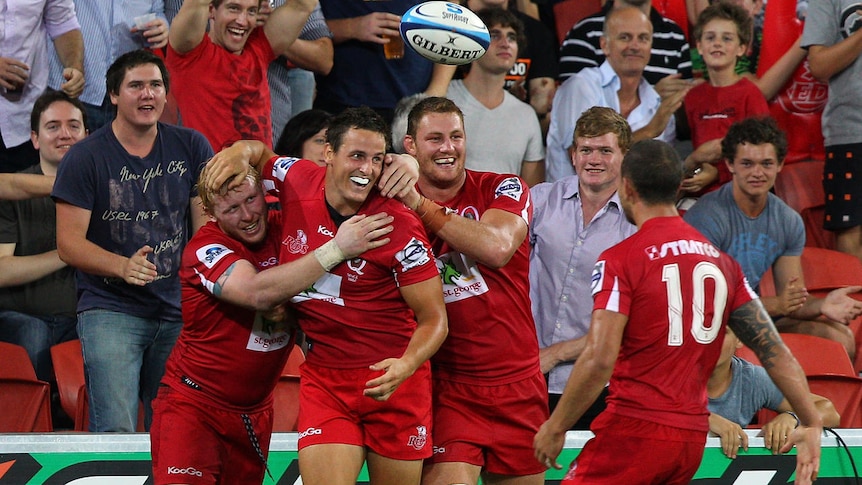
x,y
312,55
189,26
286,22
234,161
70,51
426,300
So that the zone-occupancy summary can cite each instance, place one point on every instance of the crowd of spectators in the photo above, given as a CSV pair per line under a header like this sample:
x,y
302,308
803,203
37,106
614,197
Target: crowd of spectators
x,y
98,257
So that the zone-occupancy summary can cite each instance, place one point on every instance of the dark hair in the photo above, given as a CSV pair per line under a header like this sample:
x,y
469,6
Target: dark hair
x,y
655,171
46,100
494,16
361,118
428,105
129,60
598,121
725,10
754,131
299,129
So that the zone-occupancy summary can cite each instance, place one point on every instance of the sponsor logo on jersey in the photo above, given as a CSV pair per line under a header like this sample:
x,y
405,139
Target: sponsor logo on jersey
x,y
268,335
297,244
598,277
310,432
413,255
682,246
281,166
273,261
470,212
439,450
321,229
172,470
510,187
356,265
210,254
461,277
418,440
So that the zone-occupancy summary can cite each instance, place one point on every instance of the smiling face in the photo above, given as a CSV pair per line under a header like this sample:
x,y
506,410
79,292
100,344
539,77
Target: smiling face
x,y
754,170
232,22
141,97
352,171
242,213
627,41
61,125
719,44
503,51
597,162
440,147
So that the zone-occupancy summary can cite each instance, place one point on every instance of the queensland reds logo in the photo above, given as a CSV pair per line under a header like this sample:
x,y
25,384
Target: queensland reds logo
x,y
805,94
298,244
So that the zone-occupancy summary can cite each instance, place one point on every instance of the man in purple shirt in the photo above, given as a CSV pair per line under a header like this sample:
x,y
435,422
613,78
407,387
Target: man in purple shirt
x,y
561,262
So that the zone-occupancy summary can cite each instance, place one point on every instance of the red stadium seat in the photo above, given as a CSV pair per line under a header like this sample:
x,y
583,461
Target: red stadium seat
x,y
286,404
816,355
25,406
69,372
25,402
845,392
569,12
294,360
800,185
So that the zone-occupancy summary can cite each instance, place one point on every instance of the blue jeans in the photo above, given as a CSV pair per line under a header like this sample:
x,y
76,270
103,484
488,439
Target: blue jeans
x,y
124,360
301,90
37,334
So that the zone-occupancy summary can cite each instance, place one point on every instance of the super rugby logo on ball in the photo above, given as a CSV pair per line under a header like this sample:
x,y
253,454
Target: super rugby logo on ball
x,y
445,32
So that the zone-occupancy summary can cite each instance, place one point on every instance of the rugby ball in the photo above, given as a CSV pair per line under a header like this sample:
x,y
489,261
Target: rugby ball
x,y
445,32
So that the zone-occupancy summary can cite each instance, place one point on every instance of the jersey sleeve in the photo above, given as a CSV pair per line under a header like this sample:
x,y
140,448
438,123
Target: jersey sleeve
x,y
209,257
511,194
610,284
412,260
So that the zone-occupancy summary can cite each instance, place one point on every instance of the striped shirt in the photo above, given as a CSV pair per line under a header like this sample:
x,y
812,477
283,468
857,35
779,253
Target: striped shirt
x,y
670,53
106,27
278,73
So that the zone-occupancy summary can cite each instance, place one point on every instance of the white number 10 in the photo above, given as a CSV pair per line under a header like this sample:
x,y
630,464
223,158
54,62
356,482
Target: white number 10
x,y
702,272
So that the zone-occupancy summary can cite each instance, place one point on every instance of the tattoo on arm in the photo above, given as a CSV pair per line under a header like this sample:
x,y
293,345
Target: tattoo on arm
x,y
752,324
219,284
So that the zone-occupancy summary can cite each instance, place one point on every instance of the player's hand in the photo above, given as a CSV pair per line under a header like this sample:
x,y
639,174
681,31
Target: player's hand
x,y
396,371
138,270
729,433
13,73
793,297
400,173
775,432
361,233
74,84
807,441
376,27
699,181
229,165
840,307
547,446
156,33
